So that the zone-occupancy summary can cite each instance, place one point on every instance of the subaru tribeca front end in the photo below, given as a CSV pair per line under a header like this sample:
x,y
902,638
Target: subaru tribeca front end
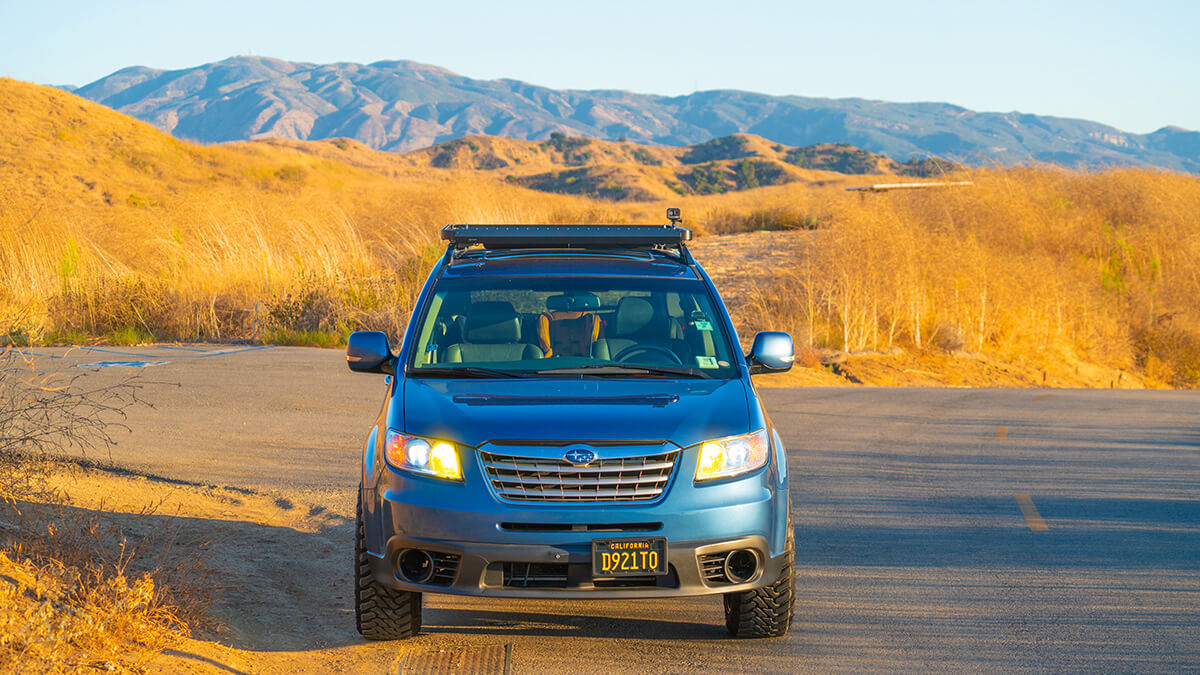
x,y
570,416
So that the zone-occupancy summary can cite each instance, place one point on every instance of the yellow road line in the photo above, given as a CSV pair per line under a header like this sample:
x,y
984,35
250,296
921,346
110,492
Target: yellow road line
x,y
1001,433
1032,518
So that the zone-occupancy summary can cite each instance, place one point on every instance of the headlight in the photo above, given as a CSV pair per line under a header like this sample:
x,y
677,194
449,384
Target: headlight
x,y
423,455
731,456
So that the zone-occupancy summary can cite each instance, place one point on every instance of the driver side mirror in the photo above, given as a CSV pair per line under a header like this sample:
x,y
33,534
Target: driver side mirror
x,y
368,351
772,352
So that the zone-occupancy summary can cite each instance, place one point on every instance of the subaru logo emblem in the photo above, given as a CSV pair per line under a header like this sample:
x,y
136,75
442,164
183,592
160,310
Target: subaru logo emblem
x,y
580,456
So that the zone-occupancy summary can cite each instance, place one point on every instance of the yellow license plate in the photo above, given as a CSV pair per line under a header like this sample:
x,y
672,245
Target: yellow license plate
x,y
629,557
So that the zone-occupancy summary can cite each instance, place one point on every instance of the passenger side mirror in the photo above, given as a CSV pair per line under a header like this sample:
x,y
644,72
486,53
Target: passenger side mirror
x,y
368,351
772,352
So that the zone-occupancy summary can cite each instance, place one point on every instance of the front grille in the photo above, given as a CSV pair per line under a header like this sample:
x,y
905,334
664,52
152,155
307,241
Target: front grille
x,y
712,566
535,575
530,479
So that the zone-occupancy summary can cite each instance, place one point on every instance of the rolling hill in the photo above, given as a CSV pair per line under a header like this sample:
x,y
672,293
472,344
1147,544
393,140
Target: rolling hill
x,y
402,105
622,171
113,230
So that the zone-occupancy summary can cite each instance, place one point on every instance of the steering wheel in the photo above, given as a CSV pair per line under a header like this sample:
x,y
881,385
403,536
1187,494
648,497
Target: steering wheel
x,y
637,349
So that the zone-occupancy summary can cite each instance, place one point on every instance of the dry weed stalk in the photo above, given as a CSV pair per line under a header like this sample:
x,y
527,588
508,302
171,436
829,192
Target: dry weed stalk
x,y
42,417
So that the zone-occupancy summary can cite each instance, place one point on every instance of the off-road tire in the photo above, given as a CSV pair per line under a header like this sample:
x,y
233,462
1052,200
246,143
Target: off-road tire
x,y
380,613
765,612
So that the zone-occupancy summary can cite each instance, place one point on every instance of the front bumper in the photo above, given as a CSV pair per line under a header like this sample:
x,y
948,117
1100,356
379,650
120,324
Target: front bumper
x,y
483,545
486,548
530,571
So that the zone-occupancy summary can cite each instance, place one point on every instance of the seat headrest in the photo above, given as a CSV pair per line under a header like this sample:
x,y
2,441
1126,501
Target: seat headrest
x,y
455,303
572,303
492,323
635,315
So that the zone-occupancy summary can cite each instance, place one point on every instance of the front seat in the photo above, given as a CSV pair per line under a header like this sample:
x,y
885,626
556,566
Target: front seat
x,y
637,323
492,332
569,326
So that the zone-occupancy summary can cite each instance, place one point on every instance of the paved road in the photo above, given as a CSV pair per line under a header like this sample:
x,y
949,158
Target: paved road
x,y
938,529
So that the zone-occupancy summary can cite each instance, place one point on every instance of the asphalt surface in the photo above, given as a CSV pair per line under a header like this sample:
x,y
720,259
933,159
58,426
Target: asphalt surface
x,y
938,529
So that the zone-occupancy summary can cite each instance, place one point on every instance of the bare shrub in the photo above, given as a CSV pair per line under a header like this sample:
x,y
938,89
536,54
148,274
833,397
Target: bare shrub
x,y
809,358
43,417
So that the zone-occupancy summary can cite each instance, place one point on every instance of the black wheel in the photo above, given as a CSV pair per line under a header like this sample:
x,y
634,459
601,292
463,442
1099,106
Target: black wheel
x,y
380,613
765,612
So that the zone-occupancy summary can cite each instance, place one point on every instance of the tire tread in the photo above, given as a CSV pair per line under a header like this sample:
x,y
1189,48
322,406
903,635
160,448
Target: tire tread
x,y
765,612
380,613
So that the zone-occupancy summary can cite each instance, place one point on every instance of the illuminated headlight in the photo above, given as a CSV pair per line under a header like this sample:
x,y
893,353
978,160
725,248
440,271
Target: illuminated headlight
x,y
731,456
423,455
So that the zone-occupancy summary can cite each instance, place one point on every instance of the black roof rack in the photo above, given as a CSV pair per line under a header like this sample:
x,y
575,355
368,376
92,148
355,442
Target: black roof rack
x,y
566,236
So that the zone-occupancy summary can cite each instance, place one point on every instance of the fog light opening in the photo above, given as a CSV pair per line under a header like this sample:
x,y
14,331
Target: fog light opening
x,y
741,565
415,566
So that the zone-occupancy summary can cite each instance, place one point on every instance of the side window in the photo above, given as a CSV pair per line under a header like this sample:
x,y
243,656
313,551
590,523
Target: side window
x,y
427,342
699,332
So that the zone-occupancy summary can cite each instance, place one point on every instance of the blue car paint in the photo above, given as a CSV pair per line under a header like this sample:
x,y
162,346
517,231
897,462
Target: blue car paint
x,y
705,409
414,509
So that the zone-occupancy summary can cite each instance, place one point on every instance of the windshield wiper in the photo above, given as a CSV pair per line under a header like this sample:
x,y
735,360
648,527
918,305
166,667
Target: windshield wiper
x,y
603,369
465,371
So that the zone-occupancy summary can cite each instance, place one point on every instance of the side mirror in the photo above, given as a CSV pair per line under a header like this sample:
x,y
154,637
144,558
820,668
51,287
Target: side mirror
x,y
368,351
772,352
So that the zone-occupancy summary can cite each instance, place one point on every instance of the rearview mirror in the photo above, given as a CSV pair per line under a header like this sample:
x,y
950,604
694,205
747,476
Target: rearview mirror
x,y
772,352
368,351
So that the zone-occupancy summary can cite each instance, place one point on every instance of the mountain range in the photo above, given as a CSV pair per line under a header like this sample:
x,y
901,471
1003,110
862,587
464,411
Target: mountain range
x,y
402,105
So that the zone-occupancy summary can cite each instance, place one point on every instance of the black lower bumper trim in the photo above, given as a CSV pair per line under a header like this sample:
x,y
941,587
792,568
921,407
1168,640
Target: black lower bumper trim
x,y
573,576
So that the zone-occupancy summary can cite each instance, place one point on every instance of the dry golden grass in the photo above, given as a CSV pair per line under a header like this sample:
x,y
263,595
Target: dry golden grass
x,y
112,230
1035,264
62,619
77,594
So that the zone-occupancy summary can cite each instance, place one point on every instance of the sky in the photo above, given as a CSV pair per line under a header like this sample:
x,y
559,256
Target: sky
x,y
1133,65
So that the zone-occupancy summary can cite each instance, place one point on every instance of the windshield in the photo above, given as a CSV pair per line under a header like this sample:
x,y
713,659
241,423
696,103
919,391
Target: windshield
x,y
574,326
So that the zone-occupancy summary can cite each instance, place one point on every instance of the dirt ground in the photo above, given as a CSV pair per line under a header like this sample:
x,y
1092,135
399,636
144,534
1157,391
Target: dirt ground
x,y
299,571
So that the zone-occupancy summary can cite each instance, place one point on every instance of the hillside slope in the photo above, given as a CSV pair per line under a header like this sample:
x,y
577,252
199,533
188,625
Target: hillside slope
x,y
622,171
110,227
402,105
111,230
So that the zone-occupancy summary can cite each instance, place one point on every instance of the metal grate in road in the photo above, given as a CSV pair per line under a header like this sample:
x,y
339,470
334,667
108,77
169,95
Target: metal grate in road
x,y
484,660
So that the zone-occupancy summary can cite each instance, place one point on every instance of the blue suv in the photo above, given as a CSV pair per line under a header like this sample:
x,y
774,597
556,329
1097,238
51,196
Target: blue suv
x,y
570,416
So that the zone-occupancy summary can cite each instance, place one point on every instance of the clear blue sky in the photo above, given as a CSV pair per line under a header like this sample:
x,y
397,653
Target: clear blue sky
x,y
1135,65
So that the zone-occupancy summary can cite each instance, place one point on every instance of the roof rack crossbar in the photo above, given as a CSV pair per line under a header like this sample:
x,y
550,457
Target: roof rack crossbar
x,y
566,236
636,254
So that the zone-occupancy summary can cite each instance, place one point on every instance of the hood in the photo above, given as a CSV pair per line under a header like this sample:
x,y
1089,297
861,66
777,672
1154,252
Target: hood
x,y
473,412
